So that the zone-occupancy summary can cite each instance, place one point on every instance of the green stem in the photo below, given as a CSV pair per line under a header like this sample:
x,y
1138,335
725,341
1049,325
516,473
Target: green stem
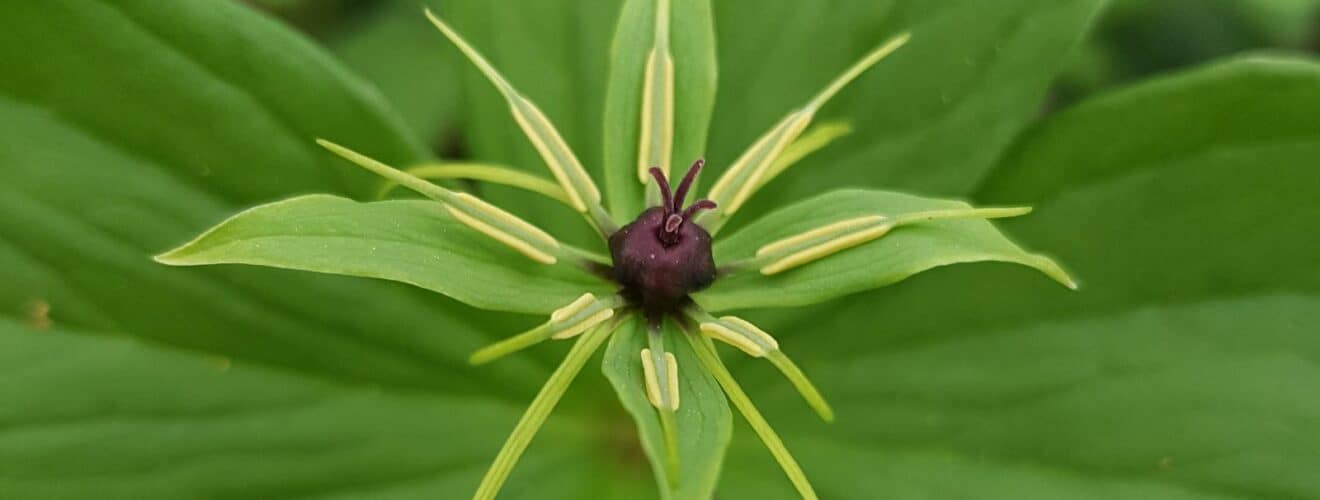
x,y
540,409
711,360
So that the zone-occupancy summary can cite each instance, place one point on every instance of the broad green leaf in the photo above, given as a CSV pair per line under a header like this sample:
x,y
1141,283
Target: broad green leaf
x,y
116,418
932,118
692,45
414,242
900,252
142,124
1211,98
703,420
156,77
1183,368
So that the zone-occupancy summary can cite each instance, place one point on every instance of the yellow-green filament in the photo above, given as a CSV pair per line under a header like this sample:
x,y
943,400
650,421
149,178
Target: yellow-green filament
x,y
832,238
741,334
825,249
539,410
486,173
507,239
711,360
802,384
568,171
753,169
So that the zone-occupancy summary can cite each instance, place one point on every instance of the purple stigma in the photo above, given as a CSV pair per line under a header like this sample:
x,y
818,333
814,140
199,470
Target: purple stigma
x,y
674,213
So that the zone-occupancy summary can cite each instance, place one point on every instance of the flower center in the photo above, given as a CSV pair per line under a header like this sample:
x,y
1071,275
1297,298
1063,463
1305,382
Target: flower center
x,y
661,257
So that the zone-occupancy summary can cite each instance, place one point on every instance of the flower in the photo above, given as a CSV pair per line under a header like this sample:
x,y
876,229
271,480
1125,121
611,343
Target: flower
x,y
661,260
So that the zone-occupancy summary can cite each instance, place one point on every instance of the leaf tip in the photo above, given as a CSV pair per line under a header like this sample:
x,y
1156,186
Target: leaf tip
x,y
1055,272
169,258
329,145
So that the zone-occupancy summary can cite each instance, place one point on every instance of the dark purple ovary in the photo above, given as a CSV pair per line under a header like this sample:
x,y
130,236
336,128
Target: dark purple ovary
x,y
661,257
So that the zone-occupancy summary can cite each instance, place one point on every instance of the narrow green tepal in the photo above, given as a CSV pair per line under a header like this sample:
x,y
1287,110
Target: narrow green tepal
x,y
484,172
655,143
710,359
540,409
758,163
416,242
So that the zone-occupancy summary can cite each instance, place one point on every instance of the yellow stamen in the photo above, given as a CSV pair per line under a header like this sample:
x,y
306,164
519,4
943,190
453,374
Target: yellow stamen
x,y
655,145
661,388
752,169
566,322
507,239
741,334
582,326
672,363
652,382
473,212
544,137
825,249
572,308
828,230
732,188
524,229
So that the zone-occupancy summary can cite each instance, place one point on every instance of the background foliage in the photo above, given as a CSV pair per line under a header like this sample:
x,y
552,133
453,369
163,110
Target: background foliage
x,y
1181,191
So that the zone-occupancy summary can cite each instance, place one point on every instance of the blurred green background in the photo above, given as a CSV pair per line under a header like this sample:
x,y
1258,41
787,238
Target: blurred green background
x,y
386,42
